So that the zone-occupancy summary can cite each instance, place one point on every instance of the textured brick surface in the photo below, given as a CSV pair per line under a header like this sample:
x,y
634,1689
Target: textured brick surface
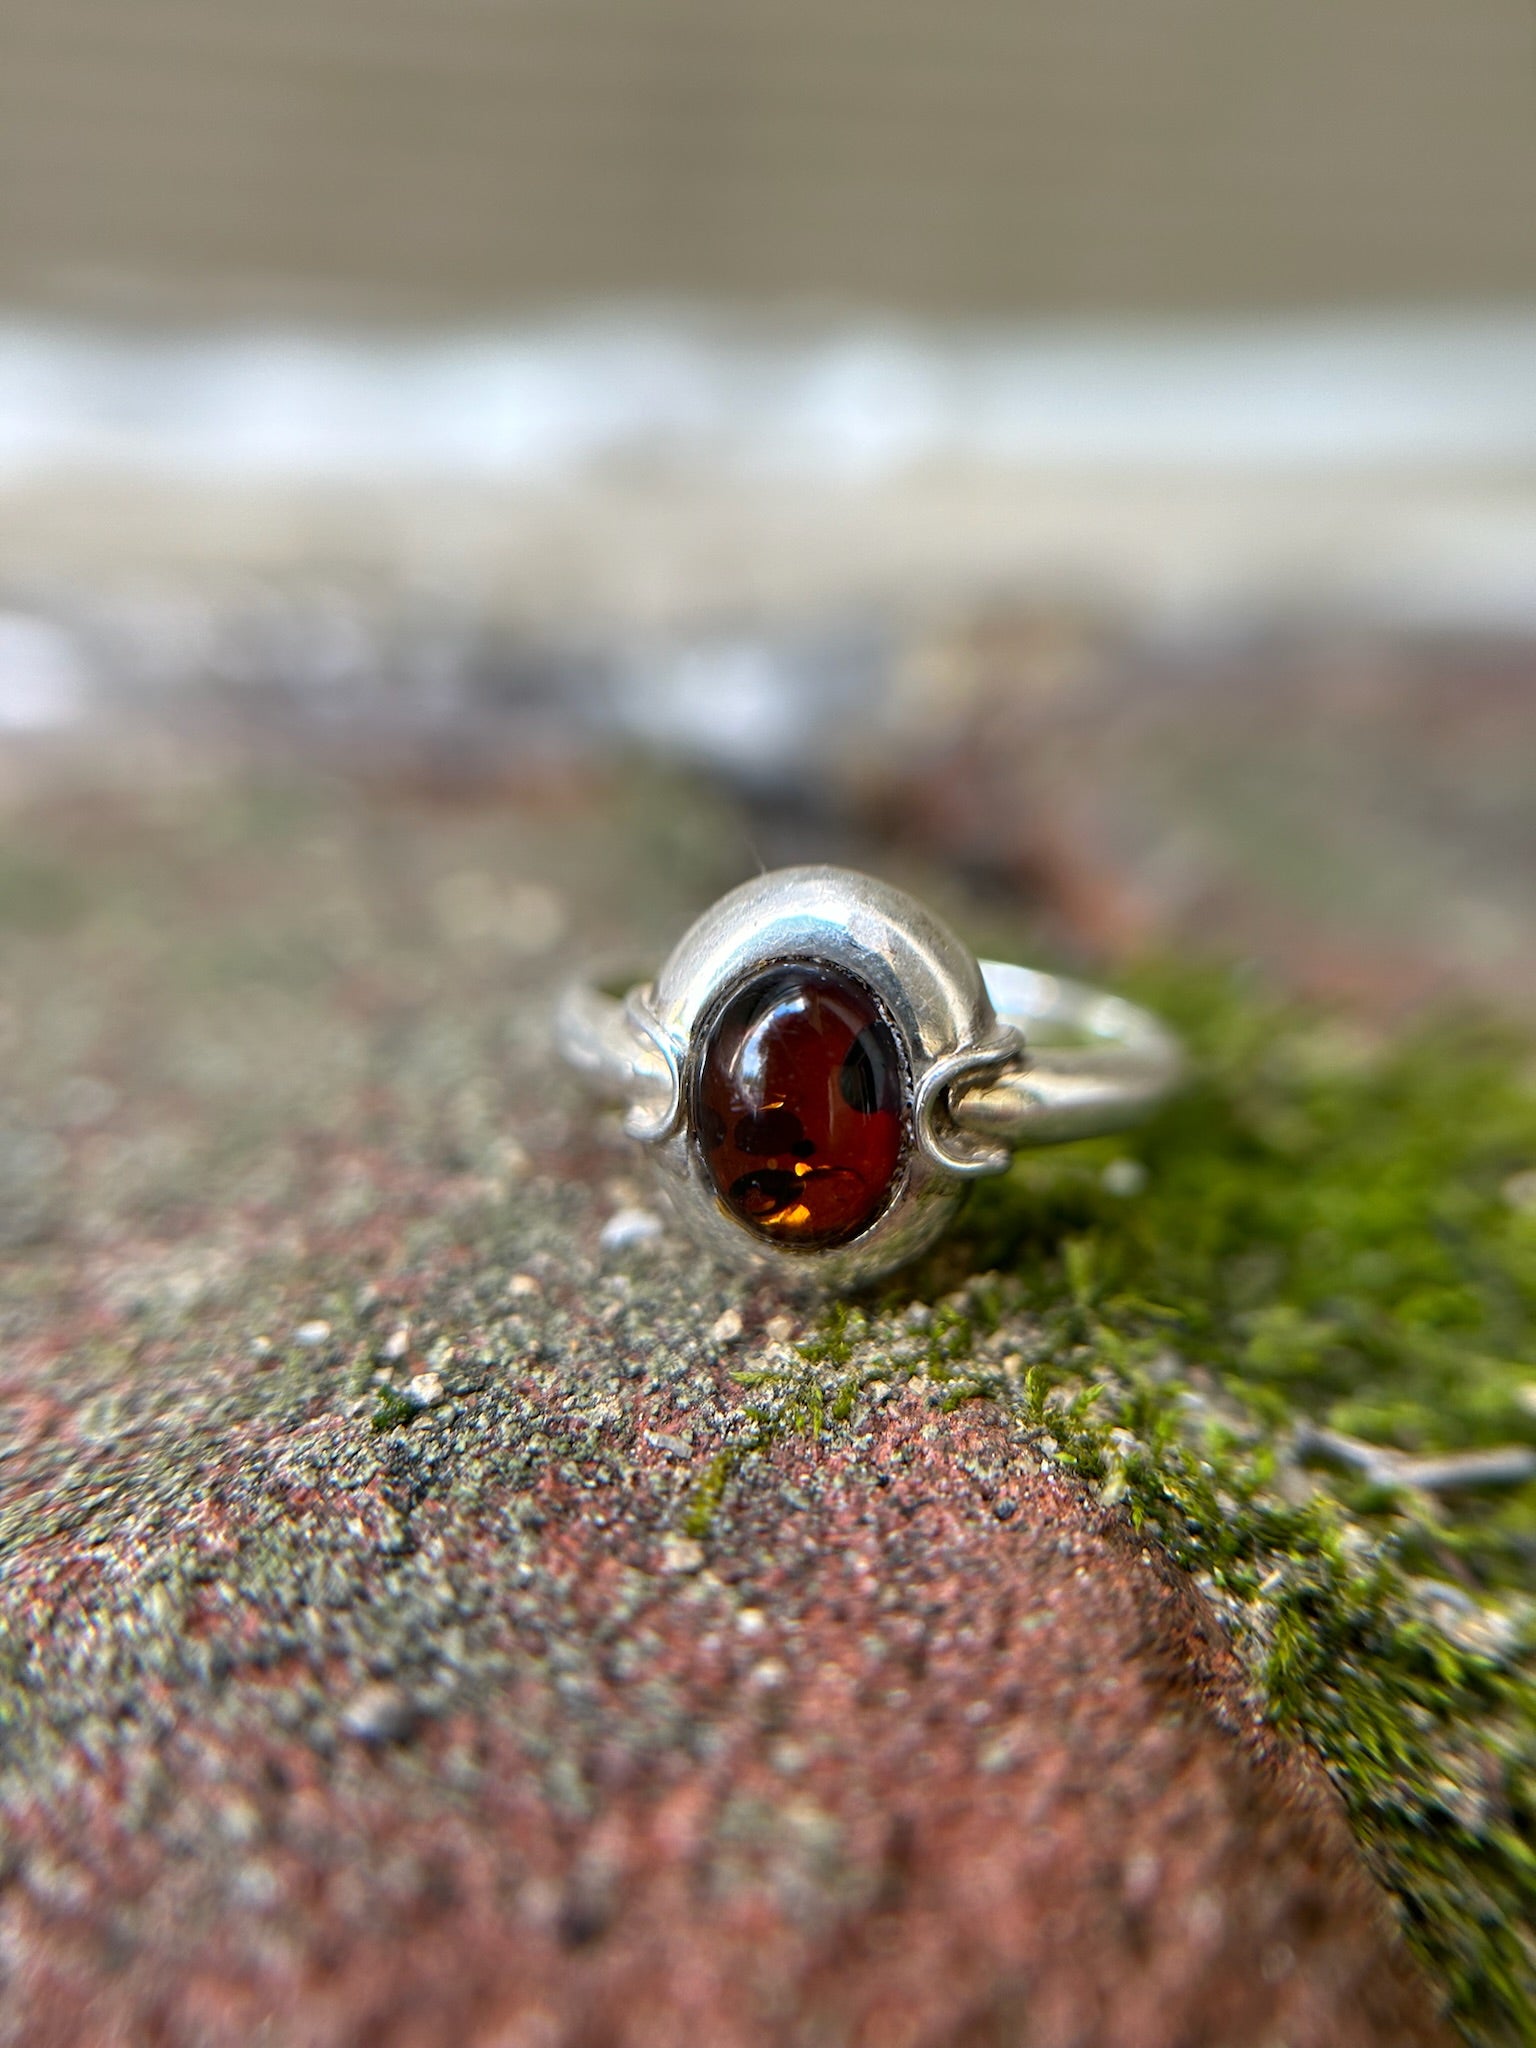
x,y
411,1634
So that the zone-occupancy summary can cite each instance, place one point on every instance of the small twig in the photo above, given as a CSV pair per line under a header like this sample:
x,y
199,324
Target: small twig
x,y
1454,1472
1466,1471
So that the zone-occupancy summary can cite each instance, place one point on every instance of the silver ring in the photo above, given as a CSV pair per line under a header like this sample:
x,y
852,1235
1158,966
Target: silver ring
x,y
821,1068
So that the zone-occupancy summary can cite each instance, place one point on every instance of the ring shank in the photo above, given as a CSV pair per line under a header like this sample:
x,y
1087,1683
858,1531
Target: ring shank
x,y
1092,1062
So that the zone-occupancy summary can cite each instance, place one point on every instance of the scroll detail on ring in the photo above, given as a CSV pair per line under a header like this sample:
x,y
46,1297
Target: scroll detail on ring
x,y
941,1137
655,1113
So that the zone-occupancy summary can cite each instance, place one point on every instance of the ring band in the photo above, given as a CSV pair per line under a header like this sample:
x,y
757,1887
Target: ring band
x,y
821,1067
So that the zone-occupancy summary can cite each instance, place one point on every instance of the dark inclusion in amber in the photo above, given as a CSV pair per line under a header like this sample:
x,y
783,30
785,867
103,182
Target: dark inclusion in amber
x,y
798,1106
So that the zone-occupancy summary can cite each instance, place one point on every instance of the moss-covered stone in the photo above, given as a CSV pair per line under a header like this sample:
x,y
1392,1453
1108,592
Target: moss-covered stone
x,y
1326,1228
288,1133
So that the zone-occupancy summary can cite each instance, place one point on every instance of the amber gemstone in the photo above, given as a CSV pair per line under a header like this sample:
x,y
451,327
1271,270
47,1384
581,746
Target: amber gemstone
x,y
798,1106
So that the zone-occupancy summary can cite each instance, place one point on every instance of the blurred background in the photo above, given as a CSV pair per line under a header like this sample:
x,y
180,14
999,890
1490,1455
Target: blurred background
x,y
1091,445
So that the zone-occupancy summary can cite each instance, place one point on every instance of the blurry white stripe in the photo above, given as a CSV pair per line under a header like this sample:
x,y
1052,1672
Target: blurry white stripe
x,y
541,402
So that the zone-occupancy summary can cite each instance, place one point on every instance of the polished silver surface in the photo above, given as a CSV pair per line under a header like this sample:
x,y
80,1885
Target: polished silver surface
x,y
996,1056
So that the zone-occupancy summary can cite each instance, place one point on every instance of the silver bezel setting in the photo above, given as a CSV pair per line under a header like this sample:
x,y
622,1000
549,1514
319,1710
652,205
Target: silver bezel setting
x,y
931,992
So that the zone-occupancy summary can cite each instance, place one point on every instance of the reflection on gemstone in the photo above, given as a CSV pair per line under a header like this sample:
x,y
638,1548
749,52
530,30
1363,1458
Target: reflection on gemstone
x,y
798,1106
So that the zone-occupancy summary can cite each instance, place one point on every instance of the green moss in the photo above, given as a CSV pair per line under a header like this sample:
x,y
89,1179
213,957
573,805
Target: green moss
x,y
814,1386
392,1411
709,1492
1330,1229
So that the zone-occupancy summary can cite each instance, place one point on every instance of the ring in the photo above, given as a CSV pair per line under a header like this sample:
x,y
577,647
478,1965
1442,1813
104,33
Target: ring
x,y
821,1069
